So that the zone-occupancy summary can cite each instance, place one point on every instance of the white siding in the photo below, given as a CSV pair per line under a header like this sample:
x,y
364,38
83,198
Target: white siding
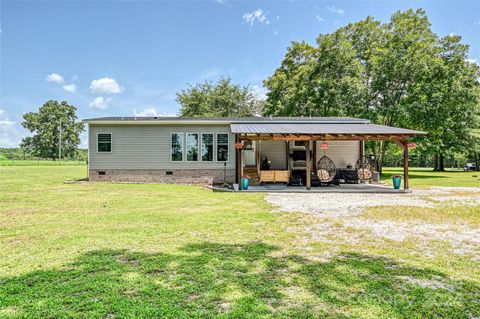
x,y
148,147
341,152
276,151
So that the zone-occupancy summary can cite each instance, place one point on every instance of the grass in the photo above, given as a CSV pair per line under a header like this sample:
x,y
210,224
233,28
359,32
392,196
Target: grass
x,y
168,251
425,177
42,162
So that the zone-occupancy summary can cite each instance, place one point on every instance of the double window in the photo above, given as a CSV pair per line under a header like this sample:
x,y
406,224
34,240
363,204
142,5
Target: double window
x,y
104,142
199,147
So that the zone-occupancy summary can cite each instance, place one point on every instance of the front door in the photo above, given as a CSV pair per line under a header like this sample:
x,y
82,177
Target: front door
x,y
249,155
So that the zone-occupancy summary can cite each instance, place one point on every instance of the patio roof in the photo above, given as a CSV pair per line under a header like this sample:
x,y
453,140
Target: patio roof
x,y
320,131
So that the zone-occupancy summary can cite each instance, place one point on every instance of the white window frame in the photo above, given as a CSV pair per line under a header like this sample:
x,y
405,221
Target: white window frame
x,y
213,144
183,147
216,147
198,147
111,143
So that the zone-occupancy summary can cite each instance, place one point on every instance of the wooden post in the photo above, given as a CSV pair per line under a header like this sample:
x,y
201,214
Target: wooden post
x,y
315,169
308,176
238,163
362,149
405,164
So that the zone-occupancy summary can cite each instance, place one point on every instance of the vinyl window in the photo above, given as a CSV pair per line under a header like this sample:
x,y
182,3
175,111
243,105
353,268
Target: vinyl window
x,y
192,147
104,142
222,147
177,147
207,147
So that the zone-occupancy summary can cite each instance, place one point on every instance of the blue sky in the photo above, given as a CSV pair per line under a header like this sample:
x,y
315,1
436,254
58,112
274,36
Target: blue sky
x,y
131,57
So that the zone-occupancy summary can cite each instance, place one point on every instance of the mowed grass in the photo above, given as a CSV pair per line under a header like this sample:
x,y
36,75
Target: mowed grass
x,y
426,177
90,250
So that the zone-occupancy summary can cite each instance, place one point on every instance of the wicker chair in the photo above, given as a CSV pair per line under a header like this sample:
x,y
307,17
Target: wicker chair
x,y
326,170
364,170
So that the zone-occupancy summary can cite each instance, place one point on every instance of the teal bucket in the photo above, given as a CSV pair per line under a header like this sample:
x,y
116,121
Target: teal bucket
x,y
245,183
397,181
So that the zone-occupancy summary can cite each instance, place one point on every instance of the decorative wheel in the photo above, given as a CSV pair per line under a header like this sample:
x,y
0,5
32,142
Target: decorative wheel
x,y
326,170
364,170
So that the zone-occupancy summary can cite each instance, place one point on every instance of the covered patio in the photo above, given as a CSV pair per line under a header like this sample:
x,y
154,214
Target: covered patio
x,y
310,132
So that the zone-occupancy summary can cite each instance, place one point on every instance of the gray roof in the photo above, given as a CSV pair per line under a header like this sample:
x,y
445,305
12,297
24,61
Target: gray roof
x,y
229,119
318,128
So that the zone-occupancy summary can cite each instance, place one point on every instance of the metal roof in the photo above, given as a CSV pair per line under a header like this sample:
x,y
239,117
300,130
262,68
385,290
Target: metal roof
x,y
317,128
224,120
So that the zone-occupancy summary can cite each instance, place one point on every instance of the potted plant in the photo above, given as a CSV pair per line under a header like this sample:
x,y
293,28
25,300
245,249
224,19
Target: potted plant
x,y
397,181
245,182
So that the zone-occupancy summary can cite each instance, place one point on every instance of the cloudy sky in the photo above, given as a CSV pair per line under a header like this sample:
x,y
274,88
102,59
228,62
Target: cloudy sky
x,y
131,57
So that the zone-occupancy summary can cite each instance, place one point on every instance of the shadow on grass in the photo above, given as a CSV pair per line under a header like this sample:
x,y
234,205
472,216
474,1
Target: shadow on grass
x,y
211,280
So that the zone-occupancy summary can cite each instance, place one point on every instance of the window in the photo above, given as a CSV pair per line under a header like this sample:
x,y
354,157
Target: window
x,y
104,142
192,147
222,147
207,147
177,147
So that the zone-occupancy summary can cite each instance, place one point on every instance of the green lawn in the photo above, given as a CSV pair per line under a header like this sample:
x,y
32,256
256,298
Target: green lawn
x,y
425,177
167,251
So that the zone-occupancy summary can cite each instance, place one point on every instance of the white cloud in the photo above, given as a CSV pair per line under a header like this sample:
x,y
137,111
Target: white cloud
x,y
105,85
211,73
255,16
319,18
54,77
151,111
70,88
9,135
260,91
100,103
473,61
336,10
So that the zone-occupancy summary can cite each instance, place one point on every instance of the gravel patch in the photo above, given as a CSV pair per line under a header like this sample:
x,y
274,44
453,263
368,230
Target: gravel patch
x,y
340,211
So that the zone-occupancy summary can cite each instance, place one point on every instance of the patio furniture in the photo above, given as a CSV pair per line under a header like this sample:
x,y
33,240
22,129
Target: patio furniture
x,y
274,176
364,170
326,170
349,176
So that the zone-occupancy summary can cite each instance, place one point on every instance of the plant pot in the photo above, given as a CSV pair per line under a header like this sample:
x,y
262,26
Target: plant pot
x,y
235,187
245,183
397,181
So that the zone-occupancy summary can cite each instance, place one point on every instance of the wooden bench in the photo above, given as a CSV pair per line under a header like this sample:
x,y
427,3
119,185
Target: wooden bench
x,y
274,176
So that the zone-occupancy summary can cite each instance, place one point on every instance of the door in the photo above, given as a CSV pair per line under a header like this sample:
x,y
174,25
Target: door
x,y
249,156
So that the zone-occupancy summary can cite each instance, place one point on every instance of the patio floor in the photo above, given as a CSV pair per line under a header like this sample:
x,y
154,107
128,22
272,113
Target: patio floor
x,y
343,188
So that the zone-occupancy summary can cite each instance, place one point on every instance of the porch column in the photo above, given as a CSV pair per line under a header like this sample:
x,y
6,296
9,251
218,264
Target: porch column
x,y
314,160
405,164
308,176
362,149
239,164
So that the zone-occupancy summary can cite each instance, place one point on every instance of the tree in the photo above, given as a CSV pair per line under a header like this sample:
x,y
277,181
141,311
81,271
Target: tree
x,y
54,121
222,99
394,74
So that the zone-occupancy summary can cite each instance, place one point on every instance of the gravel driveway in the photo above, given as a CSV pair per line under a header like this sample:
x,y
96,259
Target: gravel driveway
x,y
344,209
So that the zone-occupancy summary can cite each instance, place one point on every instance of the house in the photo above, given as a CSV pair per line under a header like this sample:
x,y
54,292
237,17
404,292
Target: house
x,y
218,150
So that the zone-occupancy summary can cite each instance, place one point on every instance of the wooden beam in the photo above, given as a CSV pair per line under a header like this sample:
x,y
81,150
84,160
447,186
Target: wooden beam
x,y
405,164
315,157
308,176
362,149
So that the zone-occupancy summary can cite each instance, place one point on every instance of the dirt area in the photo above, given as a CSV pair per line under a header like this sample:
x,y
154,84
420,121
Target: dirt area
x,y
339,212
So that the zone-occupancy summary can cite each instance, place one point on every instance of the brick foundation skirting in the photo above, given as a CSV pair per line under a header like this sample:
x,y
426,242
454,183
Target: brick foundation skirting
x,y
178,176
